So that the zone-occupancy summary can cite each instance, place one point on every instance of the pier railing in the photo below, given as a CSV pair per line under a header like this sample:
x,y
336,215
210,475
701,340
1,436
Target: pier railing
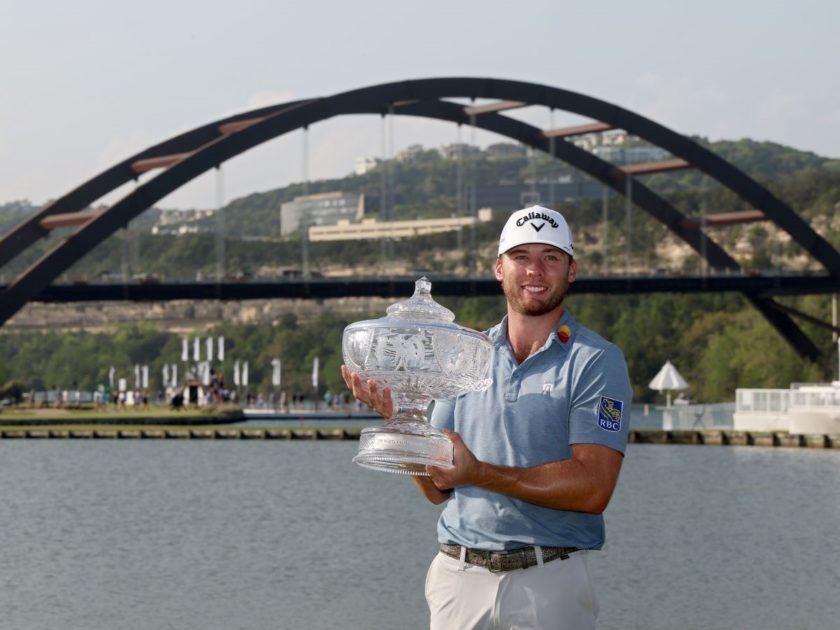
x,y
799,396
696,416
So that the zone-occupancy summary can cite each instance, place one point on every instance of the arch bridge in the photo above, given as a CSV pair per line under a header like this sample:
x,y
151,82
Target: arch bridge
x,y
182,158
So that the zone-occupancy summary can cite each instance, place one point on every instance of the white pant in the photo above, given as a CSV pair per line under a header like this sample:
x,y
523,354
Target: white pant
x,y
556,595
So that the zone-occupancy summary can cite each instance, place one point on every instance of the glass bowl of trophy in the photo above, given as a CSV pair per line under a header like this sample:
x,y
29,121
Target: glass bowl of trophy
x,y
422,355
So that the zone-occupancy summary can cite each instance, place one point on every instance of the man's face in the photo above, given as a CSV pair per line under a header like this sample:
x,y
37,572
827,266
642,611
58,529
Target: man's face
x,y
535,277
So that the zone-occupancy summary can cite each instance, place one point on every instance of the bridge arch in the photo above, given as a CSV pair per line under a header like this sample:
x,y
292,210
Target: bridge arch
x,y
190,154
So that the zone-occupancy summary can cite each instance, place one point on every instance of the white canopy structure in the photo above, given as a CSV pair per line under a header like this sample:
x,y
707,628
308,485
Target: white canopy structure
x,y
667,380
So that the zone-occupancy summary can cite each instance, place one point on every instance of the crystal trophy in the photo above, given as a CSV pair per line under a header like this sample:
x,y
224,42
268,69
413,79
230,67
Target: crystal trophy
x,y
421,354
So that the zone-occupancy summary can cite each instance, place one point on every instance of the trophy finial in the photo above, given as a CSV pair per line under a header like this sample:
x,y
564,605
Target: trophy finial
x,y
421,306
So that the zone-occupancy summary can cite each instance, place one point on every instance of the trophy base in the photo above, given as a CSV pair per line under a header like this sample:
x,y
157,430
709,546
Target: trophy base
x,y
404,448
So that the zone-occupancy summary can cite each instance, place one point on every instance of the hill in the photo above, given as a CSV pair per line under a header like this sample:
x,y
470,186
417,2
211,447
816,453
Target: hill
x,y
717,341
427,184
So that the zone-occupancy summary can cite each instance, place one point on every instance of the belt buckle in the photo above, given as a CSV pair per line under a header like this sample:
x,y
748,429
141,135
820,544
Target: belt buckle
x,y
494,563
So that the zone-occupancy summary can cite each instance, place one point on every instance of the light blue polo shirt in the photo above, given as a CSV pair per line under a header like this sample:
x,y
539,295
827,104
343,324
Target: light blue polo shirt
x,y
575,389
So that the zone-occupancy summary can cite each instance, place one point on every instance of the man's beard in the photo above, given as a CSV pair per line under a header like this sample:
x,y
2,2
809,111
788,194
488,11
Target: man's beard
x,y
518,305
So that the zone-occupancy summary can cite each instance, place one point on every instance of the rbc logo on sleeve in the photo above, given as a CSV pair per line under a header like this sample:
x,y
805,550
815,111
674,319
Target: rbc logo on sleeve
x,y
609,414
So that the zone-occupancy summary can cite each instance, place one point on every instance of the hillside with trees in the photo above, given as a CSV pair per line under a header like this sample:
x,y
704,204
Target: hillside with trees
x,y
717,341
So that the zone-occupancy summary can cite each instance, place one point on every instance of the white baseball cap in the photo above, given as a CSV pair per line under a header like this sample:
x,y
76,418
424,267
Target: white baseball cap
x,y
536,224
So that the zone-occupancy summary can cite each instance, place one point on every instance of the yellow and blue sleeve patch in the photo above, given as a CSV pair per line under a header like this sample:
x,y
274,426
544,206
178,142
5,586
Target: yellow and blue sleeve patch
x,y
609,414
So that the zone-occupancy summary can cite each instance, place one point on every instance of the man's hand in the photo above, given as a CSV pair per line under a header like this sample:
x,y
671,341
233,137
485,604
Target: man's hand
x,y
466,471
369,393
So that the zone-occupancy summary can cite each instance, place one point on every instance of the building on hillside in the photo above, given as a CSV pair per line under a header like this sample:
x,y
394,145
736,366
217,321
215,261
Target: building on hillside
x,y
455,149
320,209
631,155
611,138
619,147
344,230
180,230
410,153
504,151
365,165
178,222
565,189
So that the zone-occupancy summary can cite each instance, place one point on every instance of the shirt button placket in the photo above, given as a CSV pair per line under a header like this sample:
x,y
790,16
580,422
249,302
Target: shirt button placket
x,y
512,392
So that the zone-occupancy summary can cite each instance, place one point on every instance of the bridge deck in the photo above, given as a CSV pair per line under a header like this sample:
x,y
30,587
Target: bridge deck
x,y
396,287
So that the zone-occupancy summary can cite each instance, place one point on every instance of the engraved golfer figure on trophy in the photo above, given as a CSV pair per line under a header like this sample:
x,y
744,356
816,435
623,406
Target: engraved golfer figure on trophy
x,y
421,354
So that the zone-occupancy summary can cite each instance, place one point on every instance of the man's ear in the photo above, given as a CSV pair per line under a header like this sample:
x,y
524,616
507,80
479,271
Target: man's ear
x,y
497,268
572,270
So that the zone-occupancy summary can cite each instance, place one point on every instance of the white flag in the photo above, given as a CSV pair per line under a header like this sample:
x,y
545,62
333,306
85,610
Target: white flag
x,y
209,356
145,374
196,349
165,375
245,373
205,372
174,380
111,373
236,373
136,376
275,372
315,373
221,352
185,349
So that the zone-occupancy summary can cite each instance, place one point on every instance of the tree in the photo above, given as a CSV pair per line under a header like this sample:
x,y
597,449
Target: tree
x,y
742,350
12,391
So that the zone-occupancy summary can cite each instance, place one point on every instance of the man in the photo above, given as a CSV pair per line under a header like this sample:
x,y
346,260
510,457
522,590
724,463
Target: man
x,y
536,456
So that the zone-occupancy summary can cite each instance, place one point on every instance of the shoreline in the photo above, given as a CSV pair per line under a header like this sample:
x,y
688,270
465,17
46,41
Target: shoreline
x,y
197,431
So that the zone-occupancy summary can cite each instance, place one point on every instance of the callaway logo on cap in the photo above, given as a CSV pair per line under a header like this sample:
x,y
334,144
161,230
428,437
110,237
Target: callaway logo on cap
x,y
536,225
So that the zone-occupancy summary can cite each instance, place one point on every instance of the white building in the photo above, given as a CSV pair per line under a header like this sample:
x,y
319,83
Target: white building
x,y
805,408
365,165
178,222
320,209
454,150
344,230
631,155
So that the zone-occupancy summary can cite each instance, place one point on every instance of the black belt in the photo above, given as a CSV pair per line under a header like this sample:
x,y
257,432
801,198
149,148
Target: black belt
x,y
497,561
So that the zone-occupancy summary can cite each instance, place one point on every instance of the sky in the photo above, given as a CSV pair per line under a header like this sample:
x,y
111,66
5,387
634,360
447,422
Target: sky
x,y
87,83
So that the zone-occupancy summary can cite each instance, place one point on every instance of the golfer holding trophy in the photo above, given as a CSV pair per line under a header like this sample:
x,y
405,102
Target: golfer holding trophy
x,y
537,438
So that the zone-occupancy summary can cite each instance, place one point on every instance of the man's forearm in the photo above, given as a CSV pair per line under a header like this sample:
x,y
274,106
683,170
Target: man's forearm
x,y
431,491
582,483
562,485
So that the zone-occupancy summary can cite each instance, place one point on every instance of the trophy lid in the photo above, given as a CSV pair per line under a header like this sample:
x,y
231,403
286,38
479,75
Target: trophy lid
x,y
421,306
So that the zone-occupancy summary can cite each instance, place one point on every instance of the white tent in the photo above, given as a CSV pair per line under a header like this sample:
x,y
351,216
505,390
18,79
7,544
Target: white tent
x,y
668,379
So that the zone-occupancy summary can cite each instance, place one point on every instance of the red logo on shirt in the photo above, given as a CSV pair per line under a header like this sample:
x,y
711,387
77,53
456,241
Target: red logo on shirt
x,y
564,333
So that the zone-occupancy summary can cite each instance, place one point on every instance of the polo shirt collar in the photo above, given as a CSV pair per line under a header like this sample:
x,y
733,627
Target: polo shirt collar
x,y
562,335
498,334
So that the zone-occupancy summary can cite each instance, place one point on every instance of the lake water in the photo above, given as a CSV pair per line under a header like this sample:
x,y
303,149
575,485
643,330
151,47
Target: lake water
x,y
252,534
